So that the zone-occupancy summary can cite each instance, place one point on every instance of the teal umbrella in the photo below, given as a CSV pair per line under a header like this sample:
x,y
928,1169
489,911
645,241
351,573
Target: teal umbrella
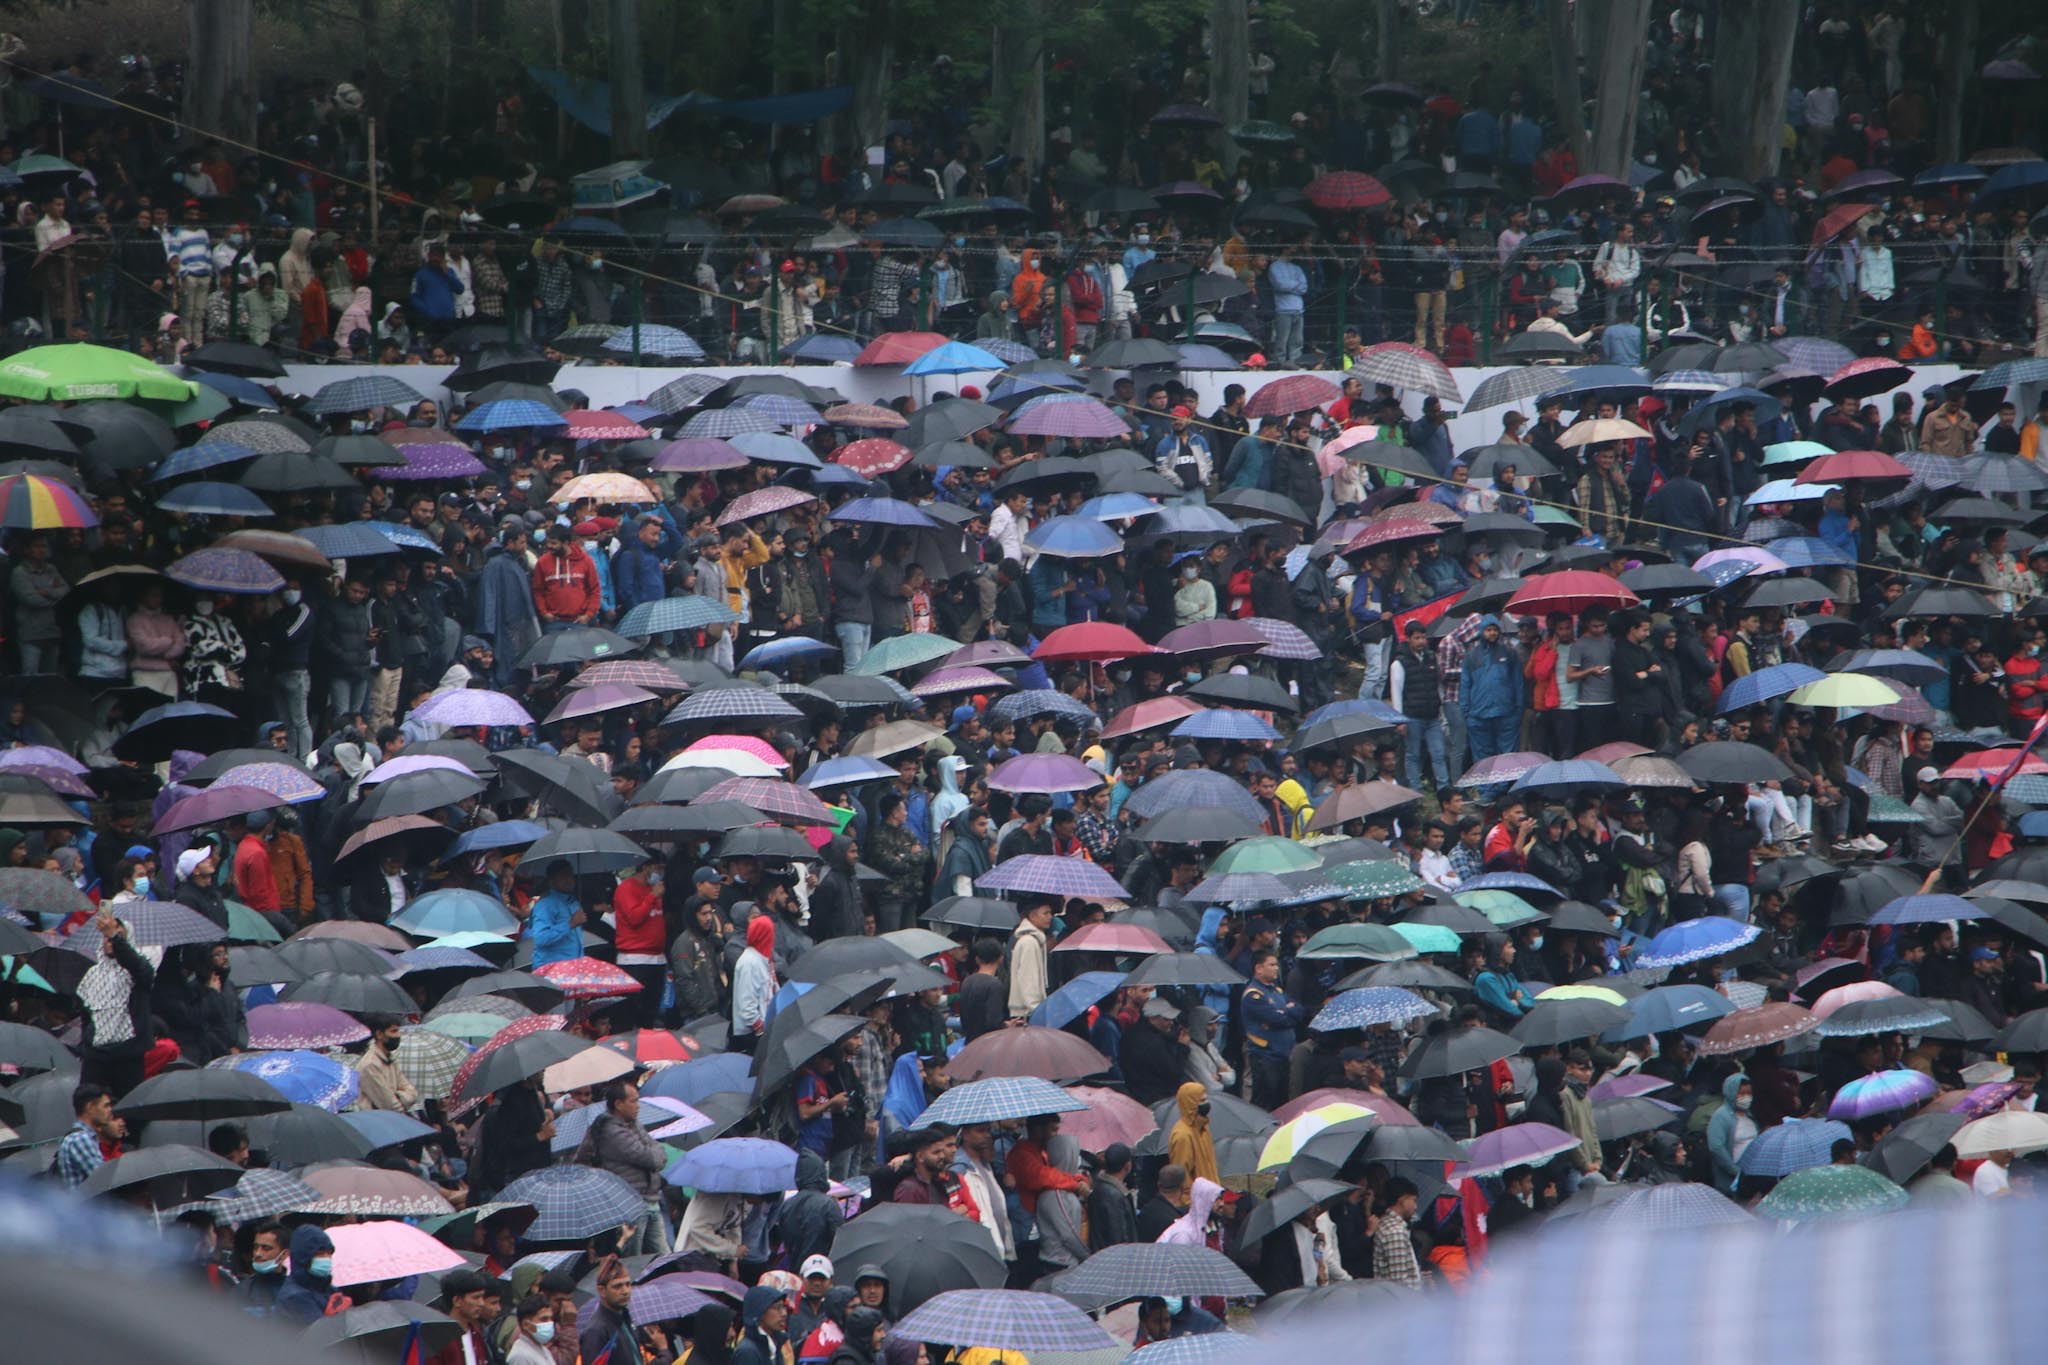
x,y
1831,1194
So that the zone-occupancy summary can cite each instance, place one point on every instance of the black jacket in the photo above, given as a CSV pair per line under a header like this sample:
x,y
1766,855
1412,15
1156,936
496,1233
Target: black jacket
x,y
984,1005
1153,1064
1157,1216
1112,1217
1296,477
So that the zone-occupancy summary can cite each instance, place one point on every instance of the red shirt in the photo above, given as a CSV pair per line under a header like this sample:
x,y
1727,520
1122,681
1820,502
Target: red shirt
x,y
1031,1172
641,928
254,881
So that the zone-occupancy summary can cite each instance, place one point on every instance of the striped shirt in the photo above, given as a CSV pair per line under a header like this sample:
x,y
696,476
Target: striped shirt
x,y
78,1156
191,249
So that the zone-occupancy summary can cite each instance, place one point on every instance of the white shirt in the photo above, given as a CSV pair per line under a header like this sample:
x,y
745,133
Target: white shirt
x,y
1990,1181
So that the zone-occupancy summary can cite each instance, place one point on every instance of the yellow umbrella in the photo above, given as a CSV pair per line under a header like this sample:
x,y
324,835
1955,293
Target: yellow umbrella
x,y
1859,690
1584,992
1598,430
1290,1137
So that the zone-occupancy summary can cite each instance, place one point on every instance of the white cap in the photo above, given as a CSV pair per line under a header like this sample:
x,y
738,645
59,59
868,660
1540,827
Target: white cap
x,y
817,1265
191,858
1928,774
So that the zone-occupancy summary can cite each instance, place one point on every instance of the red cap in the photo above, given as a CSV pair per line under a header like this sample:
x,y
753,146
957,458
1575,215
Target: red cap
x,y
1650,407
1255,361
1180,412
970,391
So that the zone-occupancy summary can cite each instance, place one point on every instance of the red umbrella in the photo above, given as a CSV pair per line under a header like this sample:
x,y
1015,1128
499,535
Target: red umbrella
x,y
1090,641
1111,937
587,978
874,456
1111,1116
1296,393
898,348
1571,591
1839,220
1345,190
1046,1053
1986,764
601,424
1844,465
1867,377
1150,715
654,1045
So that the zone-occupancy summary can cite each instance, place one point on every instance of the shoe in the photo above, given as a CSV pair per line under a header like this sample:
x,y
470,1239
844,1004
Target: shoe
x,y
1846,846
1871,843
1794,833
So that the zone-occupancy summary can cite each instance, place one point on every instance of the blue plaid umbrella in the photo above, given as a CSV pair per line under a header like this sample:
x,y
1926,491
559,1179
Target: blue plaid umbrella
x,y
1133,1268
996,1099
302,1077
405,537
204,456
363,393
214,500
1210,1348
454,911
1509,881
1927,910
1571,774
1814,353
822,348
1689,381
1671,1009
1368,1005
1224,723
574,1203
1807,552
1074,999
1044,875
782,651
1695,941
693,1082
736,1166
1039,701
685,392
1006,1319
667,1298
669,343
349,540
1009,352
732,703
503,834
779,408
1753,689
510,414
726,422
666,614
846,771
1793,1145
236,389
383,1128
1192,787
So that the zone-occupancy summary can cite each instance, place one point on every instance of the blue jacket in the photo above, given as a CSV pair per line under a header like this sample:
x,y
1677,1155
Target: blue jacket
x,y
1269,1019
1048,607
434,291
303,1297
636,575
1495,990
1371,598
1289,285
1490,682
554,938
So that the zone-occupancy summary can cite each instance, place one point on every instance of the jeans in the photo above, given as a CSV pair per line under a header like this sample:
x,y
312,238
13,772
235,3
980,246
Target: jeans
x,y
1374,683
1732,898
347,695
1455,747
1287,336
1618,296
1427,734
853,642
1491,735
650,1236
39,656
294,687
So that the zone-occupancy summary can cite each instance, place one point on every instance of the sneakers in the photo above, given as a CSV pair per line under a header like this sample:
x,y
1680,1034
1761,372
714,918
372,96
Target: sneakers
x,y
1846,846
1870,843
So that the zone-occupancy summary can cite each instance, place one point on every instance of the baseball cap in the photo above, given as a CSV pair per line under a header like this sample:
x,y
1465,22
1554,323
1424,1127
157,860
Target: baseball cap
x,y
1156,1008
1983,955
817,1265
191,858
1928,774
707,874
1181,411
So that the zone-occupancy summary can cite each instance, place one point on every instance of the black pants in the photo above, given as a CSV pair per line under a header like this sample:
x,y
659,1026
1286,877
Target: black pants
x,y
646,1006
119,1072
1269,1078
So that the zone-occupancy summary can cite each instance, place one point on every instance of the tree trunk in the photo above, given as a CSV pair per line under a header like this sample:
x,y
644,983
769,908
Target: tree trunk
x,y
1387,38
1017,81
629,82
1620,52
1958,64
1230,82
1564,84
561,26
220,85
1752,68
870,48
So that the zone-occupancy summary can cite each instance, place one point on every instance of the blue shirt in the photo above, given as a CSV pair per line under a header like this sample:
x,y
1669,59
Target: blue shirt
x,y
554,938
1289,286
1622,344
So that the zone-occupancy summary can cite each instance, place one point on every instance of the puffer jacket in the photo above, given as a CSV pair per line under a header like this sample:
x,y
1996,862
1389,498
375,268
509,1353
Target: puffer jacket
x,y
625,1149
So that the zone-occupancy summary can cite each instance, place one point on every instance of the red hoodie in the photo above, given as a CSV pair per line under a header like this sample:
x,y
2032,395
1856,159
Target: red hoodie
x,y
565,585
641,928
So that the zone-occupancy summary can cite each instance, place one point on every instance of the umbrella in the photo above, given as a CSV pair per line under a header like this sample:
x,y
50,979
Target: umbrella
x,y
736,1166
1522,1144
1881,1092
574,1203
1625,1117
1003,1319
1908,1148
2012,1130
301,1024
1728,761
1551,1022
201,1095
1827,1193
383,1330
1793,1145
171,1174
1110,1117
302,1077
1136,1269
1671,1009
1457,1051
925,1252
996,1099
1045,875
1048,1054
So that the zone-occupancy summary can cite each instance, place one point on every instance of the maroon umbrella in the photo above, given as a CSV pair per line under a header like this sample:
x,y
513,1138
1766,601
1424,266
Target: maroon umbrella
x,y
1082,419
1046,1053
214,805
1838,220
1867,377
1296,393
1589,189
1346,190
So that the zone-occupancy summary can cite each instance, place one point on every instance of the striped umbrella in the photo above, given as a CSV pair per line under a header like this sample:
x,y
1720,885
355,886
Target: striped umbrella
x,y
1080,420
510,414
1006,1319
31,502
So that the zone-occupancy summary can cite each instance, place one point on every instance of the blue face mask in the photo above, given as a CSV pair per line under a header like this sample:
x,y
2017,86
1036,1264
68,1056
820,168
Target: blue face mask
x,y
275,1267
321,1268
1174,1303
1536,943
142,887
544,1332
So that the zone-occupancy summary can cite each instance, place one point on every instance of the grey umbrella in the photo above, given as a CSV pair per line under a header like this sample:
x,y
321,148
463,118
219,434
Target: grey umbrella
x,y
1552,1022
377,1333
353,993
417,793
564,786
1288,1203
513,1062
175,1174
523,988
1459,1050
311,956
1908,1148
924,1251
203,1095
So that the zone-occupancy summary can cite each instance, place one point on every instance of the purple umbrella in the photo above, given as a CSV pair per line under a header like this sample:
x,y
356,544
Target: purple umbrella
x,y
588,701
667,1299
42,756
1628,1087
473,706
220,568
1044,773
281,780
1213,639
971,678
215,804
1083,419
1044,875
1881,1092
1520,1144
405,765
436,460
698,455
56,779
1502,768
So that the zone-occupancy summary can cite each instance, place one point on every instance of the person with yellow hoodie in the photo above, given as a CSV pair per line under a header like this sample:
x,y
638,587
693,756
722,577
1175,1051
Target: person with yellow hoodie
x,y
1188,1144
2034,435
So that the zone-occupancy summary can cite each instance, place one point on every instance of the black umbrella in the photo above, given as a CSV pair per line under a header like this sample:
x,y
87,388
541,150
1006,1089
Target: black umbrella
x,y
508,388
417,793
39,1108
974,912
1411,974
2016,918
31,1049
1132,354
1459,919
1356,1297
1229,1117
1288,1203
31,433
1184,969
924,1250
1965,1024
1529,346
577,645
766,841
1781,874
204,1095
352,993
1459,1050
1908,1148
1325,1154
837,956
1614,1120
236,357
296,471
953,419
2027,863
1247,690
467,752
1255,503
1552,1022
1730,761
669,824
516,1061
1577,917
377,1333
1338,731
1933,601
179,725
1666,580
532,991
311,956
1488,594
355,451
496,364
176,1174
301,1135
676,786
780,1056
16,941
1859,895
858,689
1406,1142
1487,461
250,964
564,786
123,436
2026,1033
1786,592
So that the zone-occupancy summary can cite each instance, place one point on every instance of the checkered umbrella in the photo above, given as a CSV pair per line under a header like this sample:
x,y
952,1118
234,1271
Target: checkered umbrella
x,y
667,1298
1195,787
1038,701
263,1193
732,703
783,800
1132,1269
1814,353
430,1061
682,393
574,1203
726,422
203,456
1793,1145
151,924
1523,382
666,614
1045,875
667,343
1082,419
1005,1319
510,414
1295,393
1227,724
779,408
1346,191
1405,367
996,1099
362,394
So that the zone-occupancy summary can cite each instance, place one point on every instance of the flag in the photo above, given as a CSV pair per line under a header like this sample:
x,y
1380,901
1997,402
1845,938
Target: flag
x,y
1473,1201
2033,738
415,1352
1428,613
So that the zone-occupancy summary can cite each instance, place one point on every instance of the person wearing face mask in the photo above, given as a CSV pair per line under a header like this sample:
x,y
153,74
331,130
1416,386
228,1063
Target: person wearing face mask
x,y
1731,1130
214,653
308,1291
285,650
536,1318
259,1290
384,1086
1195,599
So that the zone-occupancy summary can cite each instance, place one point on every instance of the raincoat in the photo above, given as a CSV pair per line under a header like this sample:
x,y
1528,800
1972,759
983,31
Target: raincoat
x,y
1189,1144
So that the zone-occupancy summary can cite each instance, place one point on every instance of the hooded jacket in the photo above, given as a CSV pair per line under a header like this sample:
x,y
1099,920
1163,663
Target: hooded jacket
x,y
905,1099
1062,1242
967,857
1724,1131
835,901
1189,1144
753,977
354,318
305,1296
756,1346
1191,1229
810,1218
855,1349
565,586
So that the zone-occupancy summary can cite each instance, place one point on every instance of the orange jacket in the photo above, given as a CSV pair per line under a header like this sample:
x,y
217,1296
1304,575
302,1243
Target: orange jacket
x,y
1032,1173
1919,346
1024,290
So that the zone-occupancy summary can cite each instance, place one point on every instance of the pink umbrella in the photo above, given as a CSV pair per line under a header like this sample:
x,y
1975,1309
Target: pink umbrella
x,y
764,502
387,1250
1857,990
302,1024
346,1187
1759,559
1112,937
943,681
473,706
1111,1116
583,977
407,764
600,424
746,744
588,701
1151,715
1045,773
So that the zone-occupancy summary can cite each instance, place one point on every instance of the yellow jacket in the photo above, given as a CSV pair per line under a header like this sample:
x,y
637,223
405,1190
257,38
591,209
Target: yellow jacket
x,y
736,566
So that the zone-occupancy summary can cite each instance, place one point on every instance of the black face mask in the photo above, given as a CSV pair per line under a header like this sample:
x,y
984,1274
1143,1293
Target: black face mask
x,y
1202,1109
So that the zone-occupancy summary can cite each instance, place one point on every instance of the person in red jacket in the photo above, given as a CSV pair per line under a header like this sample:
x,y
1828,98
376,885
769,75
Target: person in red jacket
x,y
1084,292
641,937
255,883
565,590
2026,691
1032,1172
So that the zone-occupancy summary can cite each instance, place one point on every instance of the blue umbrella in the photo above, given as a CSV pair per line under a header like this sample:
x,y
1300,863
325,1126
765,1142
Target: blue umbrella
x,y
1950,173
1670,1009
1618,380
1753,689
1696,940
997,1098
510,414
208,455
1196,356
692,1082
1807,552
574,1203
1224,723
838,476
669,343
882,512
216,500
2024,175
363,393
846,771
349,540
1182,520
955,357
779,408
1074,537
383,1128
1740,393
1509,881
503,834
1365,1006
783,650
302,1077
235,388
1927,910
735,1166
454,911
823,348
1570,774
1038,701
665,614
404,537
1117,506
1074,999
1793,1145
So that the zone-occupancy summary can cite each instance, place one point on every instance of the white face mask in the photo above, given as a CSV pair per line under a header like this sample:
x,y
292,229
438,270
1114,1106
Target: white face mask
x,y
292,597
203,608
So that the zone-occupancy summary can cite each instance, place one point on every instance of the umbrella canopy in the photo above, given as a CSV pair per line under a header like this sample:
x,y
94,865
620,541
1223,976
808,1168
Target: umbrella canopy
x,y
1049,1054
996,1099
574,1203
1830,1193
1003,1319
1136,1269
925,1252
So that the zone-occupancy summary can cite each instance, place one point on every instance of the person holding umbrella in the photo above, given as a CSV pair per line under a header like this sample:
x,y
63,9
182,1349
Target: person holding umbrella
x,y
556,918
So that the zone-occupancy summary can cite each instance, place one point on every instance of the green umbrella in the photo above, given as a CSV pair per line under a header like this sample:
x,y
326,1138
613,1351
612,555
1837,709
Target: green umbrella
x,y
1375,941
1271,853
1428,938
42,163
904,651
1374,879
76,370
203,406
1831,1194
1504,908
246,926
467,1027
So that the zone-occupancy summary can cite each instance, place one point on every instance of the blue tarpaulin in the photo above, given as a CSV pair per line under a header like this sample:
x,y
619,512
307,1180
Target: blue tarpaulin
x,y
590,102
